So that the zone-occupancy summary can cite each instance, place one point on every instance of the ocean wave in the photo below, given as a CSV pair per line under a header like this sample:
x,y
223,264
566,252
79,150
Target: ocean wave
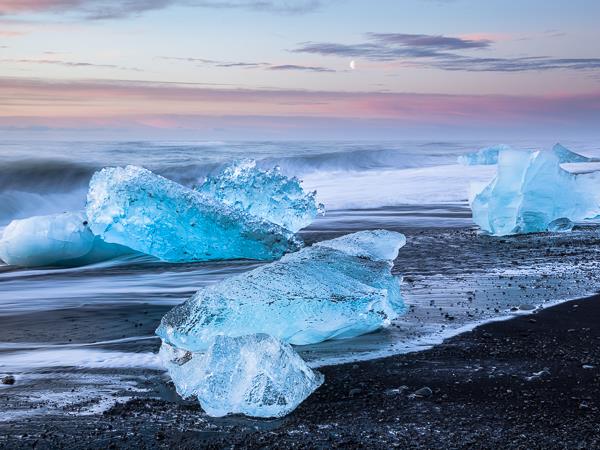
x,y
358,160
43,175
16,204
38,185
394,187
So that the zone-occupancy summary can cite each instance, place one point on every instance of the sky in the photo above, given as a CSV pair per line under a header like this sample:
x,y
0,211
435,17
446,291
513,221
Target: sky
x,y
299,69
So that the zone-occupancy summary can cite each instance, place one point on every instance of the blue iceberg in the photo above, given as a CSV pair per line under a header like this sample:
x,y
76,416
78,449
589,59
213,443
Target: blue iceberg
x,y
484,156
134,207
264,193
256,375
532,193
489,155
59,239
335,289
567,156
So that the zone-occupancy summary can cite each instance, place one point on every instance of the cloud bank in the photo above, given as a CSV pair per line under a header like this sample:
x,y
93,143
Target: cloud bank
x,y
440,52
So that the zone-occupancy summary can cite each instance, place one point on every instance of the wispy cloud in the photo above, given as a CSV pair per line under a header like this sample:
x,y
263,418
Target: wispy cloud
x,y
301,68
523,64
250,65
92,9
430,42
215,63
277,6
58,62
441,52
113,9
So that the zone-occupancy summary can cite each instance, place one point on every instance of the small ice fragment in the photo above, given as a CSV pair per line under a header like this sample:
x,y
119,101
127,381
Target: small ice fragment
x,y
58,239
531,193
335,289
560,225
264,193
134,207
544,373
256,375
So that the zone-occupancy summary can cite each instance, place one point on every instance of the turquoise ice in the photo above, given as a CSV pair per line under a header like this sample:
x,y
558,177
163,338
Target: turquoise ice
x,y
567,156
256,375
335,289
134,207
484,156
264,193
532,193
58,239
489,155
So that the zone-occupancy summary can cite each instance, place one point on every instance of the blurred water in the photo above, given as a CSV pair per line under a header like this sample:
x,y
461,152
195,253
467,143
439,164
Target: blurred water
x,y
73,324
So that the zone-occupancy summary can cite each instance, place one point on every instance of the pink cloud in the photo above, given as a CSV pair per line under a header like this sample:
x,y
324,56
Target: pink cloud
x,y
20,6
171,105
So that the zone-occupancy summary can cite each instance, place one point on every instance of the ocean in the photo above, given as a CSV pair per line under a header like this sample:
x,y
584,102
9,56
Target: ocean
x,y
78,339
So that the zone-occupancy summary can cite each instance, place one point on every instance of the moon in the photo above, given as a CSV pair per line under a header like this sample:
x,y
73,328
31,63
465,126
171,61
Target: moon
x,y
353,64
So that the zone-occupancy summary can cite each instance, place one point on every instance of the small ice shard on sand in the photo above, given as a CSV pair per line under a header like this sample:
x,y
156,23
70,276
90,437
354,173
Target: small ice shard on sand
x,y
58,239
335,289
256,375
532,193
489,155
561,225
264,193
134,207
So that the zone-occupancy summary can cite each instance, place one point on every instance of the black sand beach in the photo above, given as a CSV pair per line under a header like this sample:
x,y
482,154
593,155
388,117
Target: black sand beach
x,y
529,382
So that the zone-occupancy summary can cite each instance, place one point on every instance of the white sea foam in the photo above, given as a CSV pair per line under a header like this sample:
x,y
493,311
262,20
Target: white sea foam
x,y
416,186
18,362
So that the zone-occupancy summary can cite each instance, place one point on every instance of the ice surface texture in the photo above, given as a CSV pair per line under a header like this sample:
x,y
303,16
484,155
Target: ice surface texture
x,y
134,207
256,375
489,155
59,239
335,289
264,193
532,193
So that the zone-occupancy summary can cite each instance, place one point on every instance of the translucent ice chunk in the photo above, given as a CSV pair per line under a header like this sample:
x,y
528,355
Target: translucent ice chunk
x,y
256,375
335,289
134,207
567,156
268,194
530,192
484,156
489,155
59,239
561,225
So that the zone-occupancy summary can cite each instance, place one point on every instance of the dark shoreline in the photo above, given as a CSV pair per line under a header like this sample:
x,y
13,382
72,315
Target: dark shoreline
x,y
529,382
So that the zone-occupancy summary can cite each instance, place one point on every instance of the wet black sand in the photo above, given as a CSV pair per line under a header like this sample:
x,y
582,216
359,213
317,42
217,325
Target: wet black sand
x,y
530,382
